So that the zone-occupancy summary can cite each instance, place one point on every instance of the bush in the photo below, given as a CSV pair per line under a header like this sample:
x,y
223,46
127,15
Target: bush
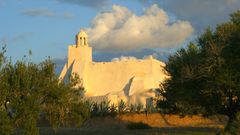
x,y
30,92
133,108
122,107
233,127
139,108
103,109
113,110
138,125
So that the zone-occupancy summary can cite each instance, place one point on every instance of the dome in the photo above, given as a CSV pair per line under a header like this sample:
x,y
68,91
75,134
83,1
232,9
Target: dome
x,y
81,39
82,33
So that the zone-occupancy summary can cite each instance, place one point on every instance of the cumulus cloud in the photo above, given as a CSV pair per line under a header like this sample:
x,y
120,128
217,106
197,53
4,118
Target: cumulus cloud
x,y
88,3
109,55
201,13
121,29
46,13
124,58
162,55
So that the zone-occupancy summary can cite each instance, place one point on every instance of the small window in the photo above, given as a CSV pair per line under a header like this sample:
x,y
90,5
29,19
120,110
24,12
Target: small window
x,y
80,40
85,41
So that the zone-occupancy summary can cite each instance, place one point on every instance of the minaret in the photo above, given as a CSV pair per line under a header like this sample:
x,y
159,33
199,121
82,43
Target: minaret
x,y
79,57
81,39
80,52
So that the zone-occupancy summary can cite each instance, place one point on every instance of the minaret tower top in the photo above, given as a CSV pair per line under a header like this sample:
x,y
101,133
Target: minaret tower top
x,y
81,39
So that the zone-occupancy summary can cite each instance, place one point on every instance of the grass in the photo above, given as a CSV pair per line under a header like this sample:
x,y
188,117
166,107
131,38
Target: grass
x,y
139,124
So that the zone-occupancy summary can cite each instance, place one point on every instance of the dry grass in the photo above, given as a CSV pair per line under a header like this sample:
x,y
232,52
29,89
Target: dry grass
x,y
159,120
161,125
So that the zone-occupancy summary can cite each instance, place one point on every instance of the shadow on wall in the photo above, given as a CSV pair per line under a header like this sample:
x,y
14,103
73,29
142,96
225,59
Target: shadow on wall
x,y
127,87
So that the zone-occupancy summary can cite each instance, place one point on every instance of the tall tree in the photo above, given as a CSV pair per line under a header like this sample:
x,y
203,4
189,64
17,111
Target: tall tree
x,y
206,79
31,92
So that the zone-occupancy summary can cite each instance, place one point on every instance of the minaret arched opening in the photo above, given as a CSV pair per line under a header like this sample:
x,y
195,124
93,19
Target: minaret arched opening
x,y
81,39
85,43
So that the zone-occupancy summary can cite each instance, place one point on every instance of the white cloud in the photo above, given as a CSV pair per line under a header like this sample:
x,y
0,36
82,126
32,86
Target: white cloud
x,y
124,58
87,3
121,29
38,12
201,13
43,12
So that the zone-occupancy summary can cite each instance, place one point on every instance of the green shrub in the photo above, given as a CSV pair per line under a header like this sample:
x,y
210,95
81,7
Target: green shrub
x,y
103,109
113,110
122,107
139,108
233,127
5,124
94,109
30,92
133,108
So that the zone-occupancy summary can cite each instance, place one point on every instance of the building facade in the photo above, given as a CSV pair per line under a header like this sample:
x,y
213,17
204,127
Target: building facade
x,y
132,80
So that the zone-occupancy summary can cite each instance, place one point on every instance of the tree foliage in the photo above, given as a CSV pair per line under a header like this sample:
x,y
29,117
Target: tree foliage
x,y
31,92
205,76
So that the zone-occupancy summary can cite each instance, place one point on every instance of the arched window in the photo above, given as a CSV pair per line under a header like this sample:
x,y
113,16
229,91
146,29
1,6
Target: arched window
x,y
77,40
80,40
85,41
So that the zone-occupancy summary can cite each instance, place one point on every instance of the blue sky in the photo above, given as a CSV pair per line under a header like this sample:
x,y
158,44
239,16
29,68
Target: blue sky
x,y
47,27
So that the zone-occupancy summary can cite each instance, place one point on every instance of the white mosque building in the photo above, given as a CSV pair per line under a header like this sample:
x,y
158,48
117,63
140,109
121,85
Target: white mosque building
x,y
132,80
